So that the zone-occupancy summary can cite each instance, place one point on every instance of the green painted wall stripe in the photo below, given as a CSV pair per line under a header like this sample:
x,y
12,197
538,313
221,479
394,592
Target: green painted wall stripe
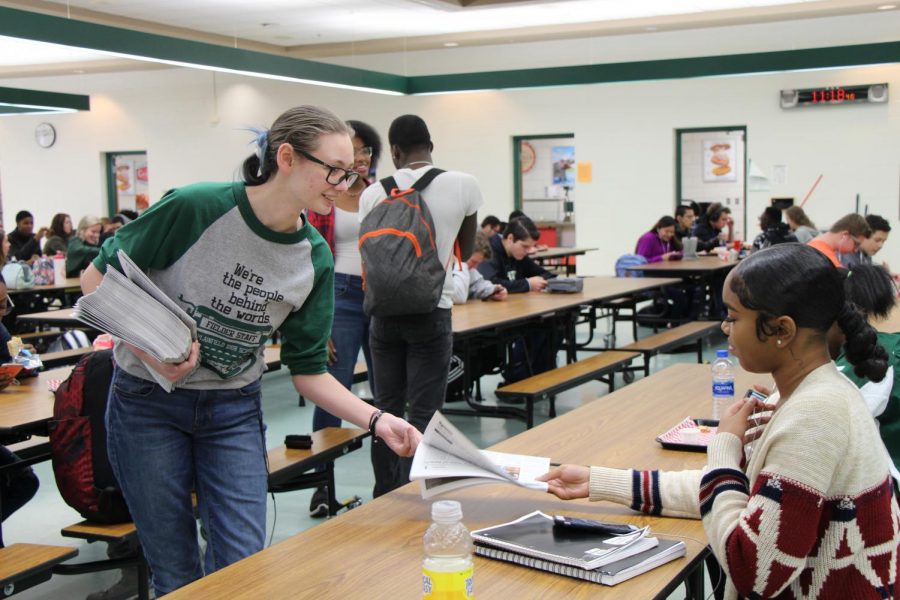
x,y
57,30
678,68
42,99
45,28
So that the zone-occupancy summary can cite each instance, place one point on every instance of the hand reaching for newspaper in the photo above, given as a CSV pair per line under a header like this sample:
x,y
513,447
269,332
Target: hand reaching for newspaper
x,y
171,371
568,481
400,436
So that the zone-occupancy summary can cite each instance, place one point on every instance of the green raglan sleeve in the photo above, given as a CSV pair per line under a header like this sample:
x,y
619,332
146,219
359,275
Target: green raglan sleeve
x,y
166,230
306,331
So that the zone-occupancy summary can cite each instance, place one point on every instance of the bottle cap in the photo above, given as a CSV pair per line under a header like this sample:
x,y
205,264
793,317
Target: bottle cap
x,y
446,511
721,353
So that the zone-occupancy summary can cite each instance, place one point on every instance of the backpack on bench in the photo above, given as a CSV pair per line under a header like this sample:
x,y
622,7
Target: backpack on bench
x,y
78,442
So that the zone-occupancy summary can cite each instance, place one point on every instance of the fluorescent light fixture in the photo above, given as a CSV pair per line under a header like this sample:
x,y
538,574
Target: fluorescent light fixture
x,y
15,101
887,7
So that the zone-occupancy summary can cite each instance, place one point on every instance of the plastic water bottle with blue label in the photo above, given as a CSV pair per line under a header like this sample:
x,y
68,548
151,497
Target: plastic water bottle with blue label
x,y
448,566
722,384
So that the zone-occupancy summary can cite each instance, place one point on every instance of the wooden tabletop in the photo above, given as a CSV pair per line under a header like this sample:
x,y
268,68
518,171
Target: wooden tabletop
x,y
701,264
30,403
375,551
479,314
22,560
69,283
560,252
63,316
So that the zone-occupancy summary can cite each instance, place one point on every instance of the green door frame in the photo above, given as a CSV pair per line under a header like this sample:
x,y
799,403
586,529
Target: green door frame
x,y
111,190
517,161
680,132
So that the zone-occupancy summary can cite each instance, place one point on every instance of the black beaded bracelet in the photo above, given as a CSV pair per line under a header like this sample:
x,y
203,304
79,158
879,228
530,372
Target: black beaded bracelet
x,y
373,420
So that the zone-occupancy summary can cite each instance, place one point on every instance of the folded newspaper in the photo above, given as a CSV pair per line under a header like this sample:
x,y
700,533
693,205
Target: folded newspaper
x,y
130,307
446,460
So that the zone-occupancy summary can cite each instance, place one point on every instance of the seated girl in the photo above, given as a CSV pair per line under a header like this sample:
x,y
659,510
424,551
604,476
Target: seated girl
x,y
659,244
802,506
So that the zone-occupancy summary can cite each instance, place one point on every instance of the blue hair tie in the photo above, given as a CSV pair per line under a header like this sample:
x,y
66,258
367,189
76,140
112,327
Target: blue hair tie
x,y
262,144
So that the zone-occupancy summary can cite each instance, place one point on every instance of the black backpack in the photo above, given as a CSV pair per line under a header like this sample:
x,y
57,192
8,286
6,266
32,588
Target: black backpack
x,y
402,274
78,442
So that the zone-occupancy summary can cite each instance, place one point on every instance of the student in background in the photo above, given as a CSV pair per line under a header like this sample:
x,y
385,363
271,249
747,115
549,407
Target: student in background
x,y
781,502
228,245
17,485
773,230
490,225
59,236
411,353
658,244
684,217
872,291
350,329
710,228
803,228
468,282
25,245
84,247
510,264
845,236
869,247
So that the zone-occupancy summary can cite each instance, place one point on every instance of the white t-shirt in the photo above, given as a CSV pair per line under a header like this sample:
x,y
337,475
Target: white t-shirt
x,y
346,243
451,197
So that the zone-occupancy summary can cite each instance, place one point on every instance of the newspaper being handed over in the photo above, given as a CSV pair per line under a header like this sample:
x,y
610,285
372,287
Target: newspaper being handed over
x,y
130,307
446,460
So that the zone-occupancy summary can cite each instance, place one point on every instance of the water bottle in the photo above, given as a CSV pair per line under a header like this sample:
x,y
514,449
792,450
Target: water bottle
x,y
59,268
447,567
722,384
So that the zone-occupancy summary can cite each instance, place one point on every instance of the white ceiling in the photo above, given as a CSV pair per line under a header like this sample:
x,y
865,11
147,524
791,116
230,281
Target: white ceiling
x,y
333,28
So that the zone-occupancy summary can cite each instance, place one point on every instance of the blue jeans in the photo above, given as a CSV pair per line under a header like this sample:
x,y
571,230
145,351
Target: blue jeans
x,y
412,361
349,333
161,446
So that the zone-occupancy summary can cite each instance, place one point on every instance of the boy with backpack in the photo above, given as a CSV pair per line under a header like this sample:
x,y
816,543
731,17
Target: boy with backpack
x,y
411,346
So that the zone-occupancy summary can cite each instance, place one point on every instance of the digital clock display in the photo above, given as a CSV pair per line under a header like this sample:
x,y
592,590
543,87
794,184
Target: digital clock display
x,y
835,95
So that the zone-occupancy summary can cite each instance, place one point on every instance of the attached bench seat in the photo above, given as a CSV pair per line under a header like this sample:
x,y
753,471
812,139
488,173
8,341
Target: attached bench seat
x,y
288,470
670,339
25,565
546,385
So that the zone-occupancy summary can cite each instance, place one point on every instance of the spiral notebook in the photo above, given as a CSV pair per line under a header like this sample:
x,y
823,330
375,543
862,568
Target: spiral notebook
x,y
611,574
534,536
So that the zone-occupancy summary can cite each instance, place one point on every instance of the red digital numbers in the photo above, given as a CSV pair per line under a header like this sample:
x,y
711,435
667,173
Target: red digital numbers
x,y
832,95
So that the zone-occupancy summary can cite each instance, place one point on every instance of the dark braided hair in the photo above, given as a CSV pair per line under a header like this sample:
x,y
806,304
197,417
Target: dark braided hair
x,y
799,282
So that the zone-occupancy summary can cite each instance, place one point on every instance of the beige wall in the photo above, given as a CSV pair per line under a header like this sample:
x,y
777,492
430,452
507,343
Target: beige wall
x,y
191,127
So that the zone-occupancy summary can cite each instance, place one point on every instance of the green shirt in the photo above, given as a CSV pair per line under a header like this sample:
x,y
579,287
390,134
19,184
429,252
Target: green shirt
x,y
240,281
888,417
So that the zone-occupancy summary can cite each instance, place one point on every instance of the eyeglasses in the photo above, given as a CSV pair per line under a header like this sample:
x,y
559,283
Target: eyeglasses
x,y
336,175
364,151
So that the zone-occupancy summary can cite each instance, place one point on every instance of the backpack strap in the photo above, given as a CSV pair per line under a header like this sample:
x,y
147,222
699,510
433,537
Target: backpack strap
x,y
389,183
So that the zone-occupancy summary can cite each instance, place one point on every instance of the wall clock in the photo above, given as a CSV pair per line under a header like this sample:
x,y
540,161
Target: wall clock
x,y
45,135
526,157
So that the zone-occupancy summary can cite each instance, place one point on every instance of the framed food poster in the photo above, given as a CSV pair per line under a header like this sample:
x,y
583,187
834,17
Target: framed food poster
x,y
719,161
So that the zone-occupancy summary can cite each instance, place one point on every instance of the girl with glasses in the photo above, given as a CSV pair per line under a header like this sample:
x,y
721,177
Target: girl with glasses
x,y
240,258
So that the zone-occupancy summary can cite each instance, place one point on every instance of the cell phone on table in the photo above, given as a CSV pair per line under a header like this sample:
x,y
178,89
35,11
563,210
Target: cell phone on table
x,y
11,369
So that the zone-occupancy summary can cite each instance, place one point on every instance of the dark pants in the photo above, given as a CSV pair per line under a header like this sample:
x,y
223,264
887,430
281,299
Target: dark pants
x,y
17,486
411,356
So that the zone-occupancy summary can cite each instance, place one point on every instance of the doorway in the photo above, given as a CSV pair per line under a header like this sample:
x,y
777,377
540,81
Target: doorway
x,y
127,179
710,166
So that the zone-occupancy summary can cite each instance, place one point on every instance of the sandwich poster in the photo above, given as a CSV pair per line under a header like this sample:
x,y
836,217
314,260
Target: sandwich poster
x,y
719,161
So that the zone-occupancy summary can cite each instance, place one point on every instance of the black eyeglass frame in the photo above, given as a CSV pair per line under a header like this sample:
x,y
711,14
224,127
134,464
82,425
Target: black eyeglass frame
x,y
349,176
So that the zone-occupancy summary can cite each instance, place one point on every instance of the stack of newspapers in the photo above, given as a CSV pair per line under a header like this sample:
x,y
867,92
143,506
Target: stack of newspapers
x,y
133,309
